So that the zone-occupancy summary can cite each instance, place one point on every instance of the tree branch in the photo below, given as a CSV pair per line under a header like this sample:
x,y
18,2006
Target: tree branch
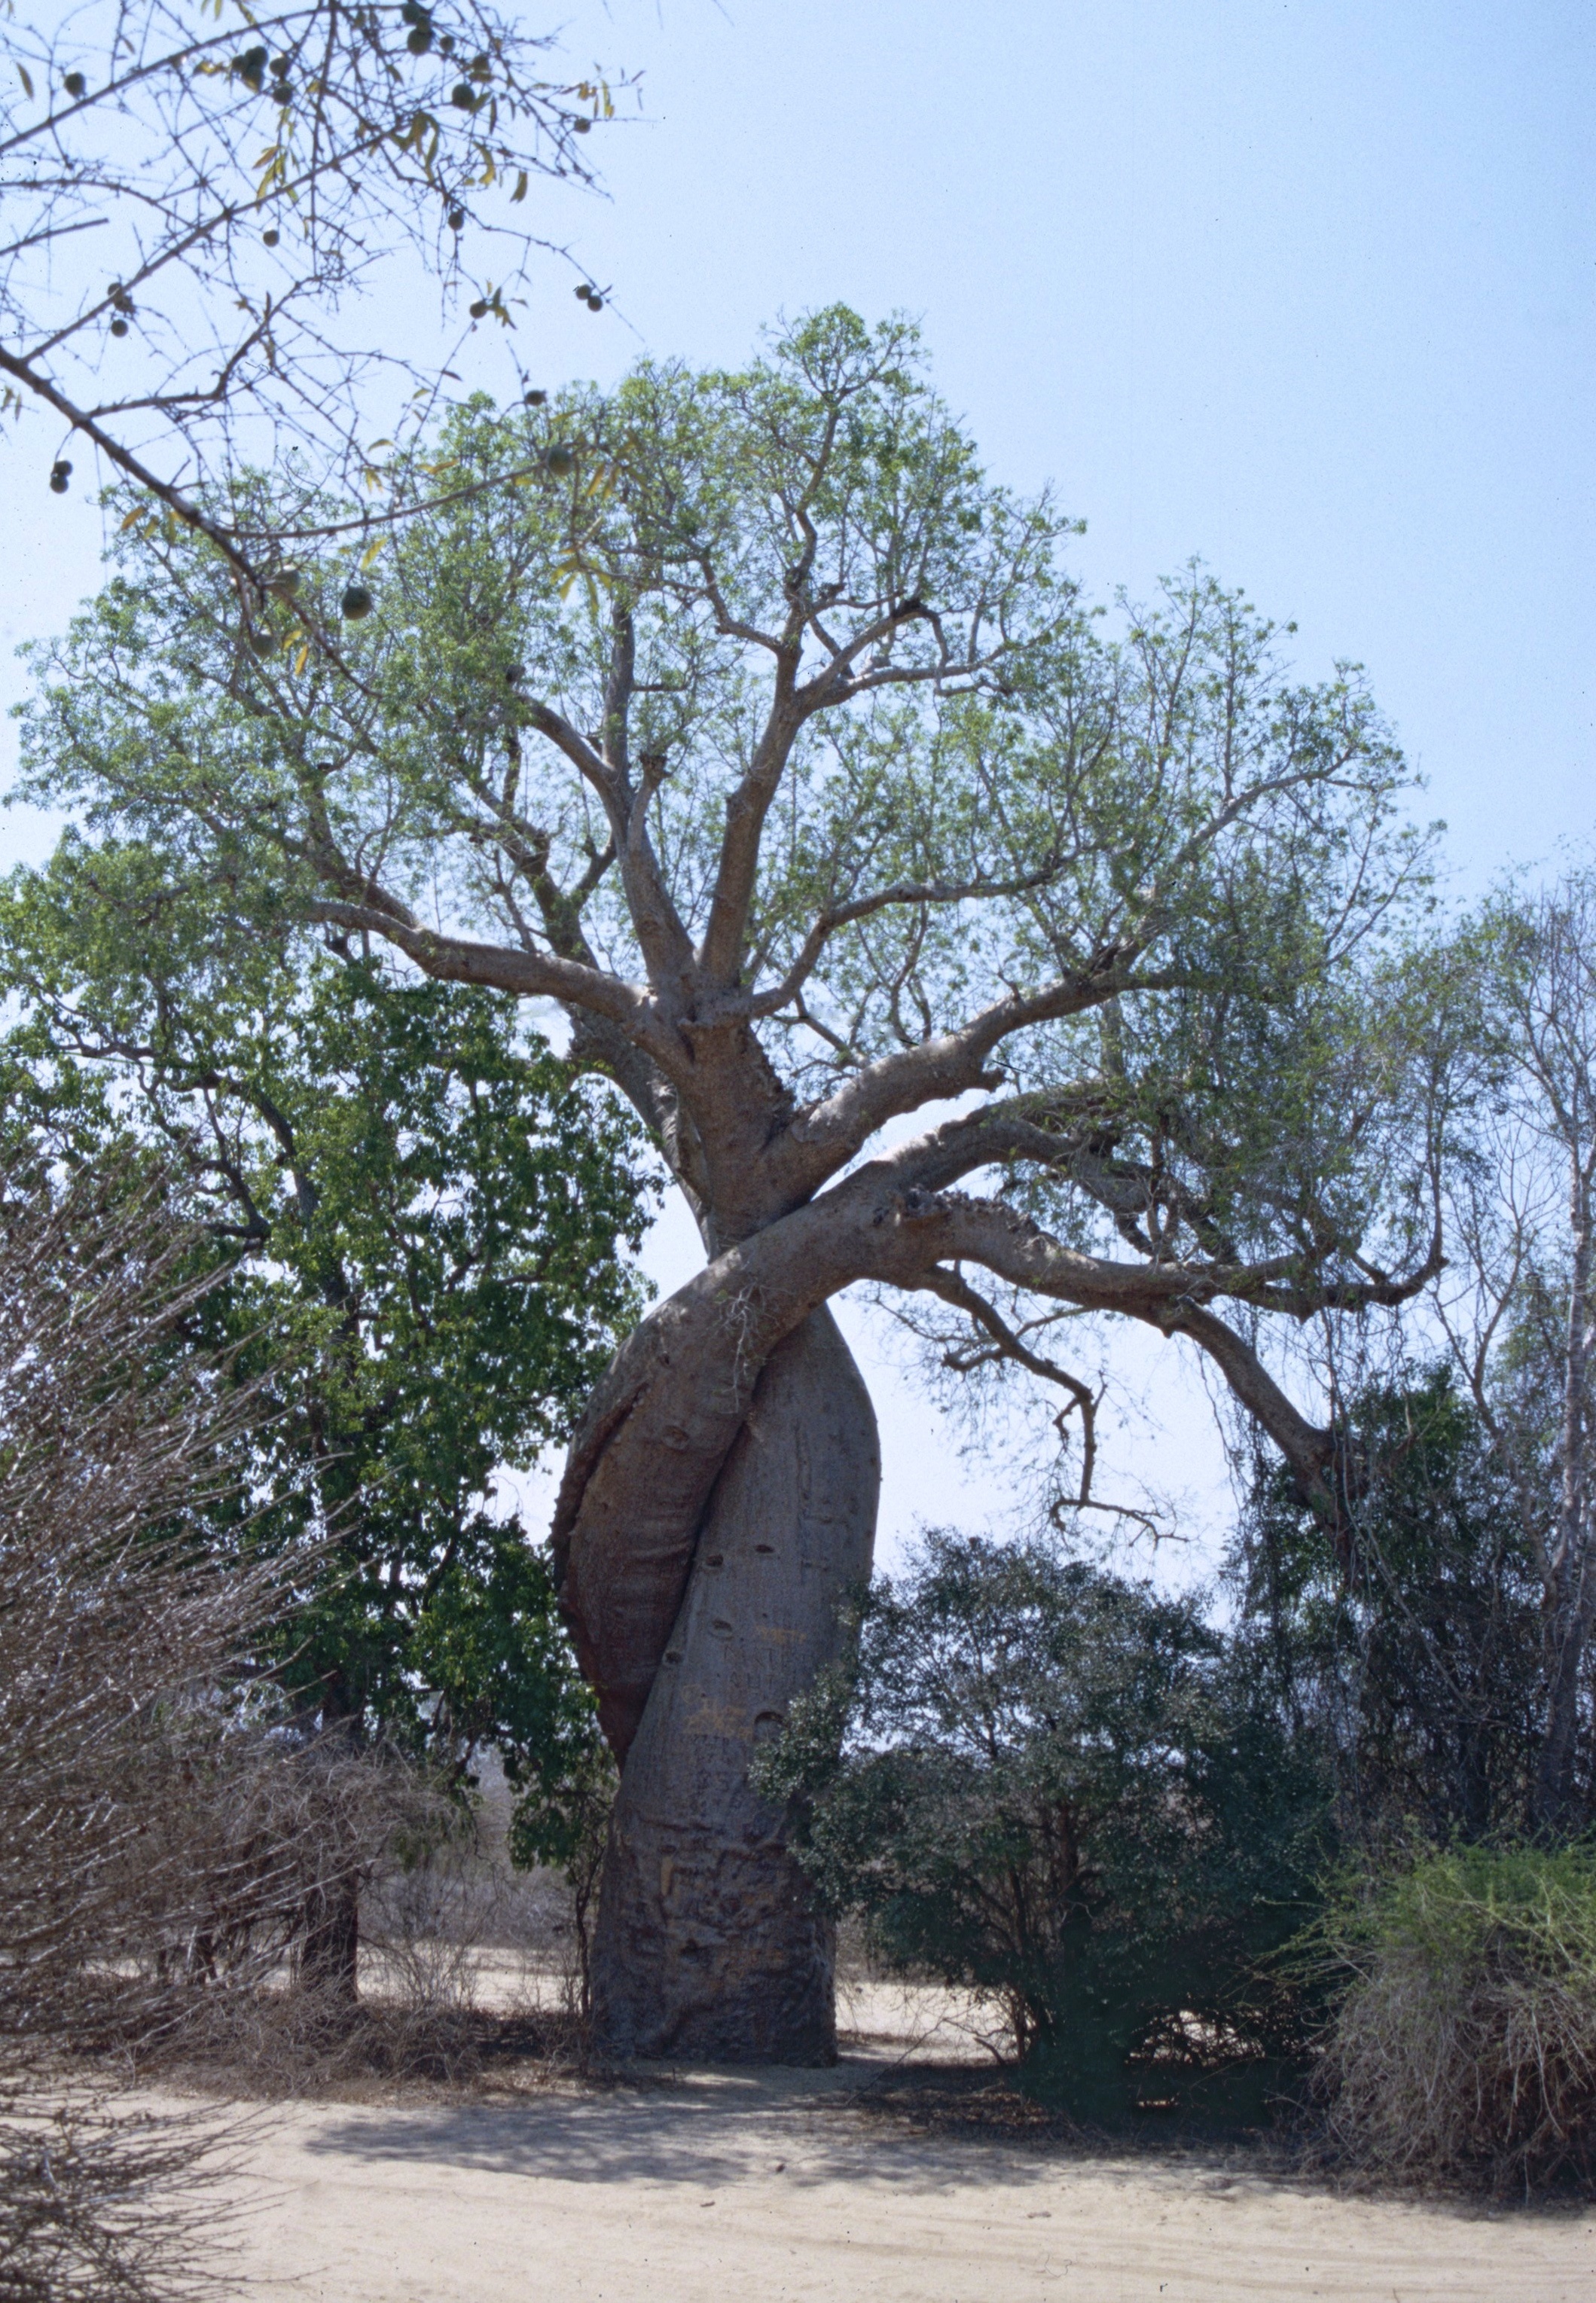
x,y
454,959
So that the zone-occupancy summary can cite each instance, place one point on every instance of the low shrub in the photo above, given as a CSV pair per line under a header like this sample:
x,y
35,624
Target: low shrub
x,y
1060,1789
1463,2044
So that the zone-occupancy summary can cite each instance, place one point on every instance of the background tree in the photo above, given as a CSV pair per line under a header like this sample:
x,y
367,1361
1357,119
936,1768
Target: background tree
x,y
1520,1306
419,1229
1045,1781
1405,1644
773,741
194,195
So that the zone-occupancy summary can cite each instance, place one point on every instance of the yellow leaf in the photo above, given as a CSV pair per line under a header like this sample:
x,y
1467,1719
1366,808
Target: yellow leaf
x,y
519,192
372,552
302,658
132,519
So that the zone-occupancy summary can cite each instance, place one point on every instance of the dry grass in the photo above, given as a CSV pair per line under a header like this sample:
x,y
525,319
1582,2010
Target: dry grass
x,y
1464,2050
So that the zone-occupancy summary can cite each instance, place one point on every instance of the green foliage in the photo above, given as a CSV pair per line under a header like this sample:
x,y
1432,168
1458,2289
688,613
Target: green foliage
x,y
1156,785
1051,1784
1464,2046
425,1224
1410,1642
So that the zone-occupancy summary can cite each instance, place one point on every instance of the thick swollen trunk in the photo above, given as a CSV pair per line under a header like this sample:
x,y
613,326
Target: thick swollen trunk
x,y
708,1943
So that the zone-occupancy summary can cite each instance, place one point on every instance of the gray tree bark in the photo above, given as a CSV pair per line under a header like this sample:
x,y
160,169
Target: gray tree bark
x,y
709,1942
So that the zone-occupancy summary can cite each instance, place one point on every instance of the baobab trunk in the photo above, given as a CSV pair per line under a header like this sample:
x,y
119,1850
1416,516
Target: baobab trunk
x,y
709,1942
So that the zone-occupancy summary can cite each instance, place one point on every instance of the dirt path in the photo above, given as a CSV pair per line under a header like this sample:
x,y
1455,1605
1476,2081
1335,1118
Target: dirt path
x,y
717,2186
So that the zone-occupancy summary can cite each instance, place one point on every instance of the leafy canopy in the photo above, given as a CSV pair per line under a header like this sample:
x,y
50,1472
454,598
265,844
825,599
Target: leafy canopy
x,y
425,1225
760,723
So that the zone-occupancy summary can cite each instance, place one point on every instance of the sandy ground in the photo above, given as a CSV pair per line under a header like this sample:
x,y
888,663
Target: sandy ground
x,y
716,2186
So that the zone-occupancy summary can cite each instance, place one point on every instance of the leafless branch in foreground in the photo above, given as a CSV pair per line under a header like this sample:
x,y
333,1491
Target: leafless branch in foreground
x,y
193,195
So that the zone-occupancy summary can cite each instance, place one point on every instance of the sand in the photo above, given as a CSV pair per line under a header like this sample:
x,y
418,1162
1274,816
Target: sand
x,y
754,2187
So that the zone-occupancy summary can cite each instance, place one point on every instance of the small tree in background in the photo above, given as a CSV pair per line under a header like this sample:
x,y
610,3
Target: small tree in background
x,y
1408,1640
1044,1782
1520,1303
566,1793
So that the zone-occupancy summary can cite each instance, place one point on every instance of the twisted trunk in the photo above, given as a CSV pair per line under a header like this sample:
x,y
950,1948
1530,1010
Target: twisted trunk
x,y
718,1500
708,1943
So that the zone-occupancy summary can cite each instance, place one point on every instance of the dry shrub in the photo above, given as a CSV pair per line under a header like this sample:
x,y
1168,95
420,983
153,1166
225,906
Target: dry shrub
x,y
102,2204
111,1610
1463,2048
161,1843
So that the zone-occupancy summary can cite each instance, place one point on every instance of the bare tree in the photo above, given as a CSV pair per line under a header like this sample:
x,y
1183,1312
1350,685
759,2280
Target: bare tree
x,y
774,743
1522,1316
193,195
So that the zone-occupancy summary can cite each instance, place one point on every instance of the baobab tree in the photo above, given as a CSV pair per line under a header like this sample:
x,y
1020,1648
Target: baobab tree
x,y
767,738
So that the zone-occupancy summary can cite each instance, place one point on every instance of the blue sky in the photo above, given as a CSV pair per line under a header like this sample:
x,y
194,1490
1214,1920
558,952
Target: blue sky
x,y
1305,289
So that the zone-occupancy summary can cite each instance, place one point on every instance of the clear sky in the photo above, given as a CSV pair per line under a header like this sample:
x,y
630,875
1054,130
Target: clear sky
x,y
1303,286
